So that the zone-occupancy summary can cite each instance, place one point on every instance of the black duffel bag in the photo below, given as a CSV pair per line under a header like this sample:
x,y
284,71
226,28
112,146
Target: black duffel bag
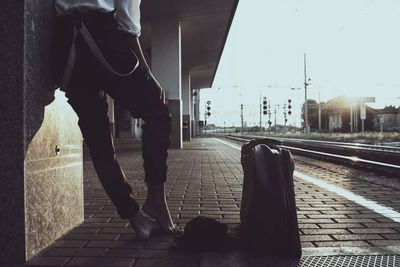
x,y
268,210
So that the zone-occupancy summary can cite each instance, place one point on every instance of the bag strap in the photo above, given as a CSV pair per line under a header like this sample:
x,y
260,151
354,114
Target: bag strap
x,y
66,77
80,28
99,56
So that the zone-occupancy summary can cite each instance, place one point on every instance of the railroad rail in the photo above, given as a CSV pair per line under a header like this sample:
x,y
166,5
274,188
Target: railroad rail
x,y
377,158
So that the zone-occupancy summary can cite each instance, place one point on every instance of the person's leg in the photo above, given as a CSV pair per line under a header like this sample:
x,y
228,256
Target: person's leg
x,y
91,108
90,104
142,98
156,140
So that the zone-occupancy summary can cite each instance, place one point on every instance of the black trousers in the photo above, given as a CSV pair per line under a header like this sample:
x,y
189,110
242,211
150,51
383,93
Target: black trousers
x,y
86,94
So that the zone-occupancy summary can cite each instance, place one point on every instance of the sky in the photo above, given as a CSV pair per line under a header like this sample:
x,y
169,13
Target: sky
x,y
352,49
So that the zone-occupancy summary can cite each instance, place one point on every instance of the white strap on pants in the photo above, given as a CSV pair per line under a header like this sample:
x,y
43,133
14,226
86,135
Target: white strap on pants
x,y
96,52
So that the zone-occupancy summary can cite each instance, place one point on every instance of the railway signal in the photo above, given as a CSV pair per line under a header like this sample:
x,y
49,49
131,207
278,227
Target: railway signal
x,y
207,112
265,107
269,117
285,113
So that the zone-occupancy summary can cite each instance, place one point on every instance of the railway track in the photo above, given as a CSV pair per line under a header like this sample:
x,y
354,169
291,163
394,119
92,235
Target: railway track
x,y
379,159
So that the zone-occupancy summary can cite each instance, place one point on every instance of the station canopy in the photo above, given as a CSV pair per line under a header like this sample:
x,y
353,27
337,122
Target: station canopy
x,y
205,25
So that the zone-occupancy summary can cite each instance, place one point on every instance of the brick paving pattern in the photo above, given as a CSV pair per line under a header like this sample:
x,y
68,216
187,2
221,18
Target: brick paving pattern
x,y
343,222
205,178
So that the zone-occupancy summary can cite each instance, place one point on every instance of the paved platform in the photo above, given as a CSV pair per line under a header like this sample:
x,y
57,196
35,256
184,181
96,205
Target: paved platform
x,y
205,178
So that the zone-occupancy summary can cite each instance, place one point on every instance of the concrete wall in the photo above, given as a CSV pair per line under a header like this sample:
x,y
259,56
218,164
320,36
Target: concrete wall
x,y
41,189
53,178
11,119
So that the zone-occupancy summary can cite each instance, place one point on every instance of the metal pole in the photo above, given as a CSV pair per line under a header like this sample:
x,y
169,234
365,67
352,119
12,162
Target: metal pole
x,y
362,126
269,117
205,120
260,111
224,128
284,115
351,119
319,111
241,117
305,96
275,118
197,113
356,119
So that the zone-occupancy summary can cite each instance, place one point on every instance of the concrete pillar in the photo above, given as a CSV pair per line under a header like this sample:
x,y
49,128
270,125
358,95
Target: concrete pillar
x,y
136,128
41,174
125,123
111,114
197,112
166,66
192,123
186,99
